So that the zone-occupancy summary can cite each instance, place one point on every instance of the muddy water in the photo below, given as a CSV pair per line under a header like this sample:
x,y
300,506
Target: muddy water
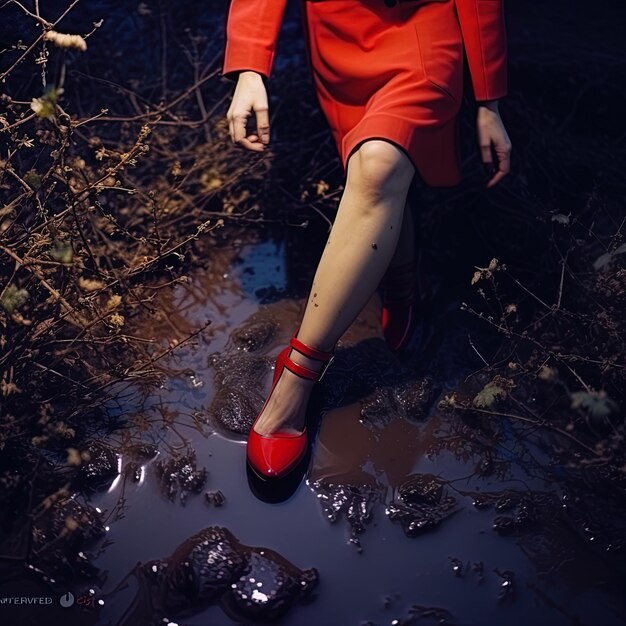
x,y
406,515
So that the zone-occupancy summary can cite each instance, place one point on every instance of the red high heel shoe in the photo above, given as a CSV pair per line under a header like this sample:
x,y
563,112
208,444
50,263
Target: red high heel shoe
x,y
276,454
399,314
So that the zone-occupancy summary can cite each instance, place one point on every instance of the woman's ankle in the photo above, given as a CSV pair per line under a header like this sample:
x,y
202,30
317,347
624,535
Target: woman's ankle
x,y
311,364
287,404
316,365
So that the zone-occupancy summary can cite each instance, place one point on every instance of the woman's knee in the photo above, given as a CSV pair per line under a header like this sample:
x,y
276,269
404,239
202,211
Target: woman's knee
x,y
380,167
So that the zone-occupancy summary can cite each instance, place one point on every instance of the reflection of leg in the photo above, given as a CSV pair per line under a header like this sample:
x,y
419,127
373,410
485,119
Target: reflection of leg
x,y
359,248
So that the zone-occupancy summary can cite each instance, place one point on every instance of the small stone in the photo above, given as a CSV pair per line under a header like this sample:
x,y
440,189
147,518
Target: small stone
x,y
216,498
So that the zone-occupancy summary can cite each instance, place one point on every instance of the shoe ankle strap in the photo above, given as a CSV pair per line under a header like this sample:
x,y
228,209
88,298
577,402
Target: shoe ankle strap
x,y
308,351
313,353
306,372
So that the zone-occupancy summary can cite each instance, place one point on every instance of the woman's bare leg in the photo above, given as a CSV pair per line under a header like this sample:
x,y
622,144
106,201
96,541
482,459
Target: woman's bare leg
x,y
360,246
406,241
405,250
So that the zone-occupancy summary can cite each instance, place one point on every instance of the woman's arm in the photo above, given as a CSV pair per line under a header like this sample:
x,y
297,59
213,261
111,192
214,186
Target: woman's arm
x,y
252,28
493,140
485,40
484,36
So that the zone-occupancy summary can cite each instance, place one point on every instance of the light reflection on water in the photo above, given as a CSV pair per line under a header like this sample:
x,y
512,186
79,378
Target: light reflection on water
x,y
392,572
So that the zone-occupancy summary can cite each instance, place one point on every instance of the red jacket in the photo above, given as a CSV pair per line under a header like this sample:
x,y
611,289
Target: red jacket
x,y
253,25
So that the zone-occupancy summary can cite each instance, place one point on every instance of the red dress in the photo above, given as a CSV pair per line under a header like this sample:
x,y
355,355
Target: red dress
x,y
393,72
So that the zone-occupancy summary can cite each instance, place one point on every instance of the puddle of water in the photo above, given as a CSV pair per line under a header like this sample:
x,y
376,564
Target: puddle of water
x,y
360,466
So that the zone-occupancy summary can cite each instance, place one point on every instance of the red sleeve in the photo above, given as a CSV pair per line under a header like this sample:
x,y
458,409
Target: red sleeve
x,y
252,28
485,40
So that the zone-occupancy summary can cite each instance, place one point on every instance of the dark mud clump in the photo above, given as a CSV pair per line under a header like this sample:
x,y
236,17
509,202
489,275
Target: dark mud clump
x,y
216,498
519,512
179,476
136,457
213,567
241,372
353,502
62,529
99,465
410,400
421,504
514,510
256,333
418,614
239,381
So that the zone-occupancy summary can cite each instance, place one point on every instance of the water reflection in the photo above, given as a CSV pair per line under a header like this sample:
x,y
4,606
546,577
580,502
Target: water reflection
x,y
452,517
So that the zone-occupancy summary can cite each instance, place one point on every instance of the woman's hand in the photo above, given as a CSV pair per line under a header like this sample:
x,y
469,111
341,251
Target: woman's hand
x,y
250,96
490,130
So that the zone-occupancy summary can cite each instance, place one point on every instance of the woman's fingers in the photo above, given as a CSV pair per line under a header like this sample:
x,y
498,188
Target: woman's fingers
x,y
250,98
263,124
497,178
239,126
250,142
229,119
496,169
503,153
494,142
487,157
237,131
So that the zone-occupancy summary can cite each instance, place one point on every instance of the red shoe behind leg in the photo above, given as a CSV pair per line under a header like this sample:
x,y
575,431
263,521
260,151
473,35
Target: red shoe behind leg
x,y
405,289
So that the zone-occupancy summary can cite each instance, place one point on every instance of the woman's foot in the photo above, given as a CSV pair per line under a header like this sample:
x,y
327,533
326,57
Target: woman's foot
x,y
286,408
278,439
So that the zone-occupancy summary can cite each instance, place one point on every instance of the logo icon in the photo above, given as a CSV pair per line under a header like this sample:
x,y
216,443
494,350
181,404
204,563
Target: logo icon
x,y
67,600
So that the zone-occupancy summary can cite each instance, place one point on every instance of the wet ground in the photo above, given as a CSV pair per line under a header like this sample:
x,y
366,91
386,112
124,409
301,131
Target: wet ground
x,y
407,514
